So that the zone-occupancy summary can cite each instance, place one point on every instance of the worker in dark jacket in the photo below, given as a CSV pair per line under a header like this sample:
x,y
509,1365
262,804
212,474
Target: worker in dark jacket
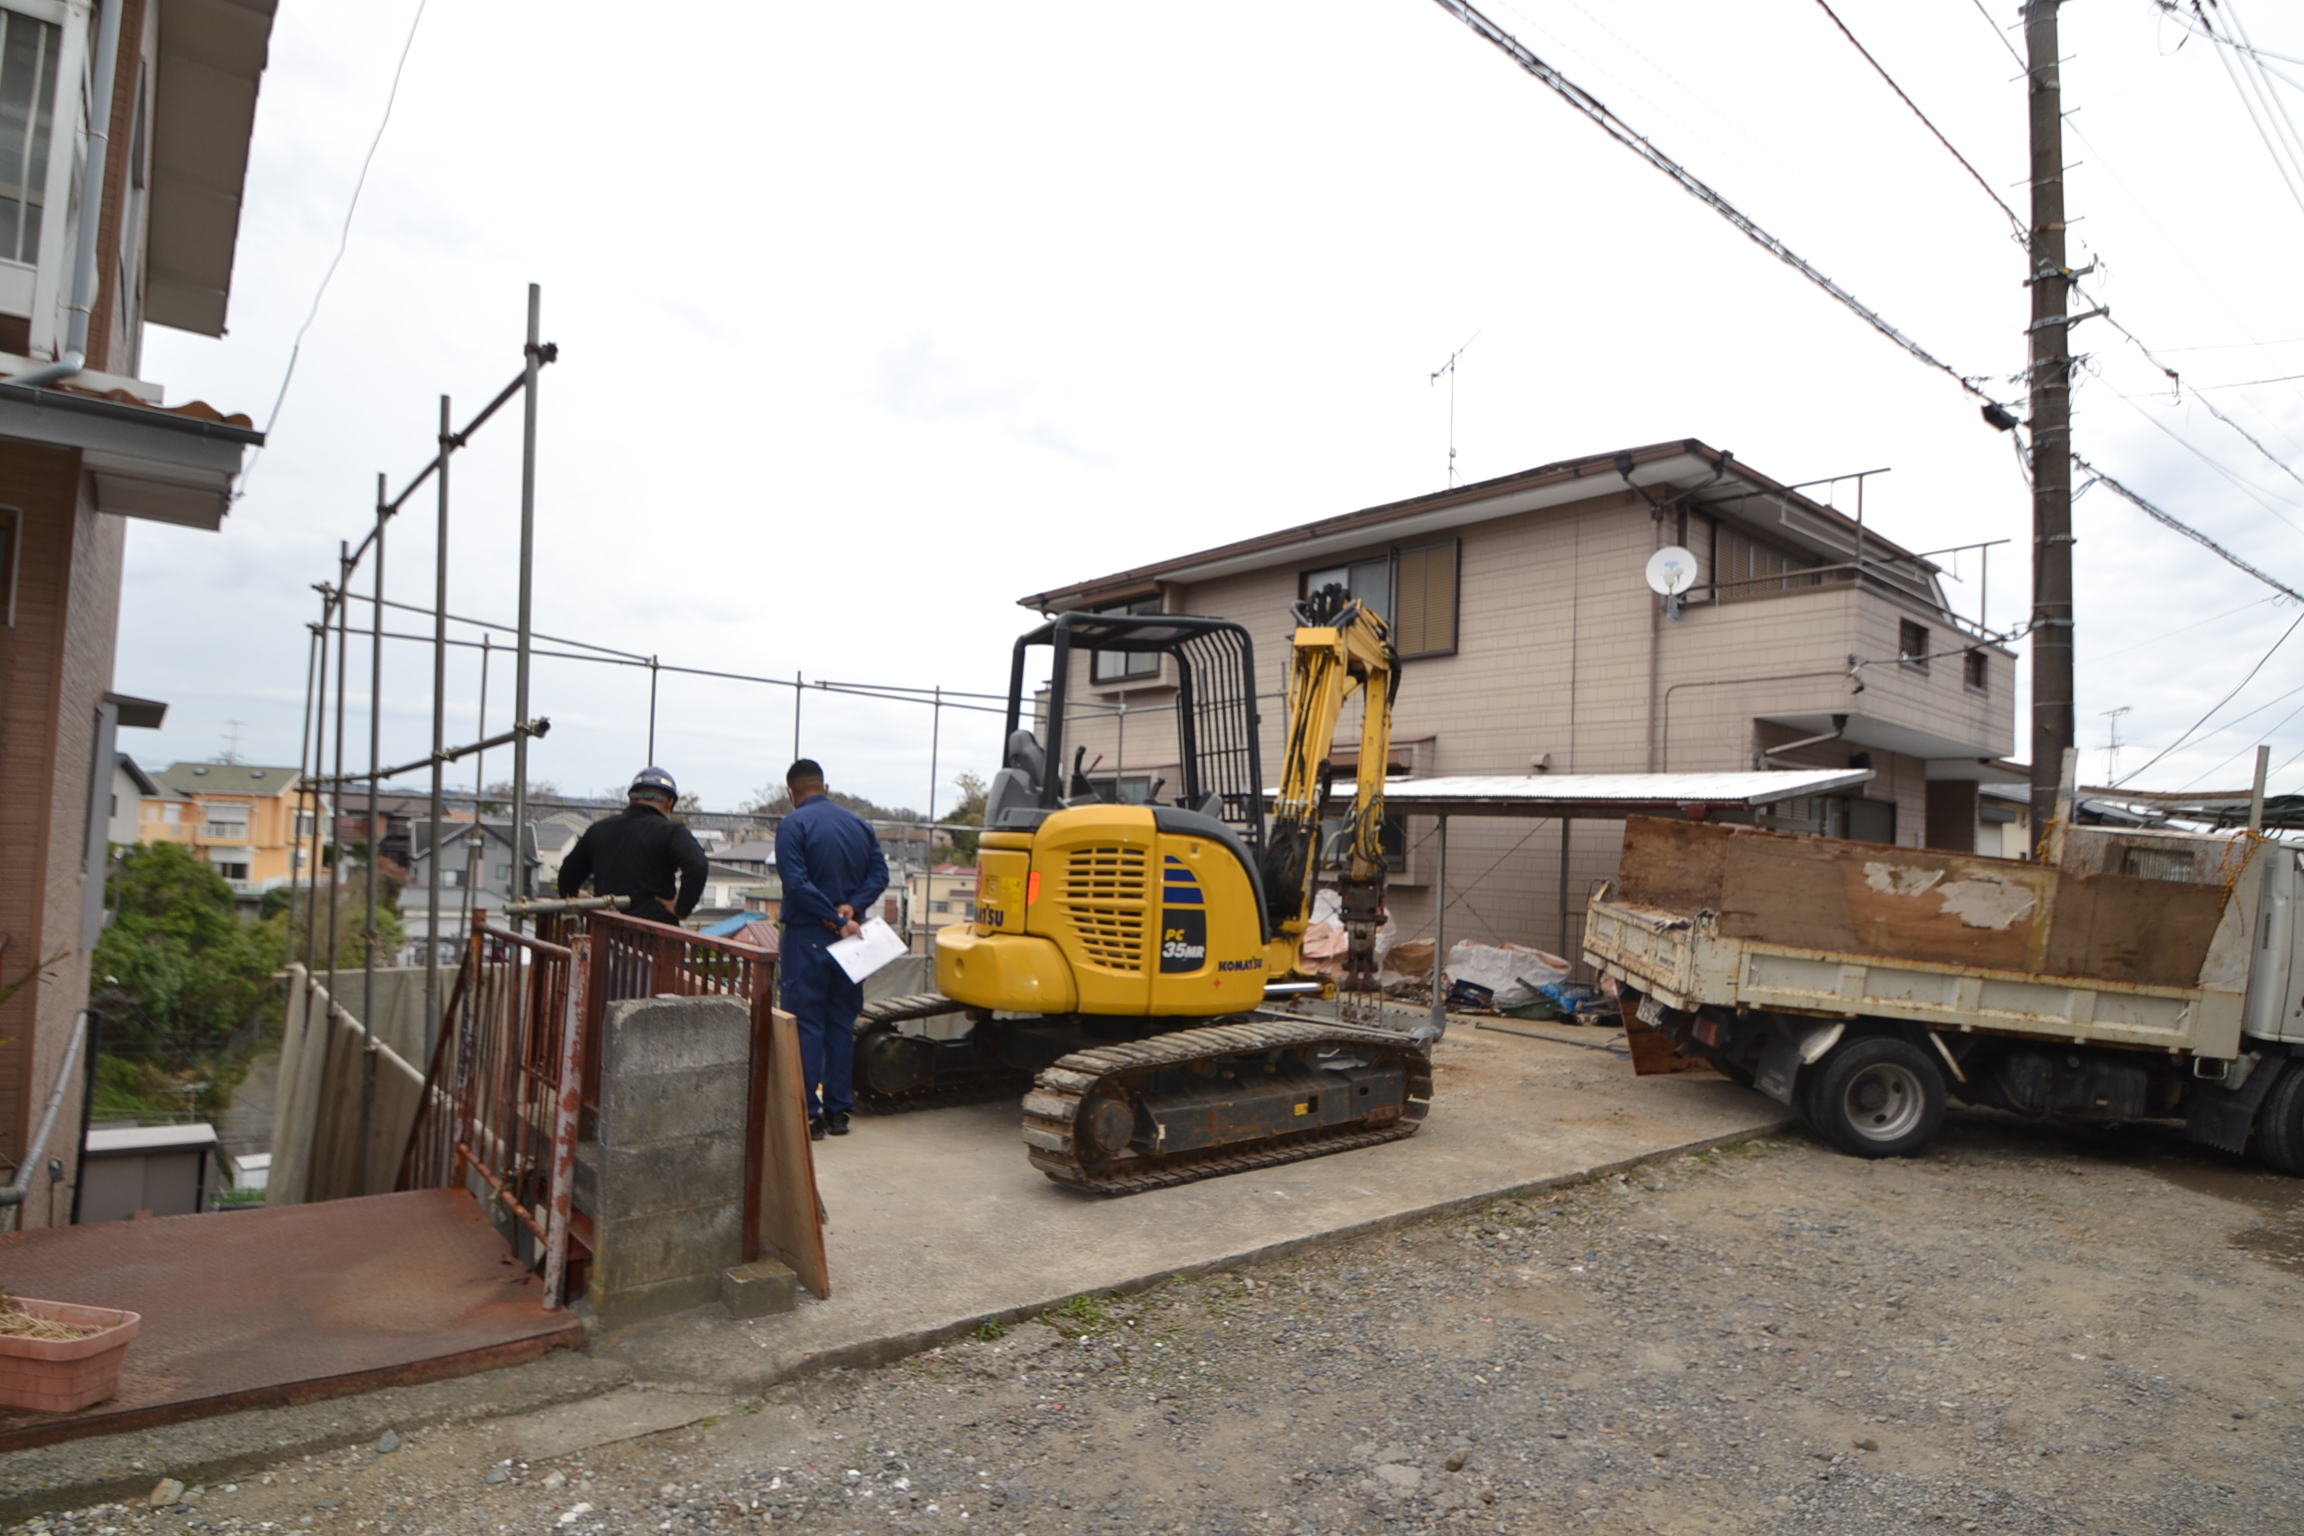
x,y
641,852
832,871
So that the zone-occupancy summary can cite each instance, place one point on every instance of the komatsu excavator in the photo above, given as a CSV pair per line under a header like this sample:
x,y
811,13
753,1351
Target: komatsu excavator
x,y
1125,953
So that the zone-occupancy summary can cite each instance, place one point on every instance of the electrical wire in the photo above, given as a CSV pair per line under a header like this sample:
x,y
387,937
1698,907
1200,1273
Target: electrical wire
x,y
2182,630
2177,380
2170,520
2184,443
2220,703
2023,232
2002,36
1624,134
2251,91
343,238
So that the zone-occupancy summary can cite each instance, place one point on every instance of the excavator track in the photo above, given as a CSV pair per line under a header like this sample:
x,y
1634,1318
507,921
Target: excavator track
x,y
980,1085
1071,1116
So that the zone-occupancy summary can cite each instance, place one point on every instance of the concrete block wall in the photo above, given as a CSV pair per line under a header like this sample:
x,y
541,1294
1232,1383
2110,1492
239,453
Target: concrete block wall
x,y
664,1181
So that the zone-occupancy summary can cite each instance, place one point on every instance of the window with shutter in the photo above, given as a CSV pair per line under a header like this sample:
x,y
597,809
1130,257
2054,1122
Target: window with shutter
x,y
1426,601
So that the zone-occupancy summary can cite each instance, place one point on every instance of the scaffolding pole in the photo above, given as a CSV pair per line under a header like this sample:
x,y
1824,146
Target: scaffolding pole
x,y
439,745
370,937
535,356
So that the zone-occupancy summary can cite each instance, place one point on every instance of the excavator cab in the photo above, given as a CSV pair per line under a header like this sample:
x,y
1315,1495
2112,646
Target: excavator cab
x,y
1091,907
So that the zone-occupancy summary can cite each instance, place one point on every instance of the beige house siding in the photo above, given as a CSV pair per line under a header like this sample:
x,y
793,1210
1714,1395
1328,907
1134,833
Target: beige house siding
x,y
1564,654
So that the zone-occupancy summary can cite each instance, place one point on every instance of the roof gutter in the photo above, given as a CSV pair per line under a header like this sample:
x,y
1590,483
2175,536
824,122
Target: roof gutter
x,y
75,354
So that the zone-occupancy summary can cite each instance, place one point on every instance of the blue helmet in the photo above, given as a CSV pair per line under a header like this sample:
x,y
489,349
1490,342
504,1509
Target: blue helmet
x,y
654,780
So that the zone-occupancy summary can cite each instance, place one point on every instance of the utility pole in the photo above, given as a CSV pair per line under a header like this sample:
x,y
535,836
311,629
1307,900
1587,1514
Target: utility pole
x,y
2051,399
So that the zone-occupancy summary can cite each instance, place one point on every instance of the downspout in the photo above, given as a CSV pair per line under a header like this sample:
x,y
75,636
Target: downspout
x,y
75,354
13,1196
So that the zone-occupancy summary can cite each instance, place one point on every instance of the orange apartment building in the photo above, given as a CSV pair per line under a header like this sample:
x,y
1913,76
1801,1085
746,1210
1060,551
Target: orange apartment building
x,y
242,817
1531,643
124,133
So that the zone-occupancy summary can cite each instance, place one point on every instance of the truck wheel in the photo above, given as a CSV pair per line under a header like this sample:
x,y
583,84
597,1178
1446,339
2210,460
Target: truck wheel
x,y
2278,1137
1877,1096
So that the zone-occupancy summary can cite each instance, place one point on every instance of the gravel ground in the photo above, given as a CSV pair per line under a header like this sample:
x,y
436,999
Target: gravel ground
x,y
2022,1331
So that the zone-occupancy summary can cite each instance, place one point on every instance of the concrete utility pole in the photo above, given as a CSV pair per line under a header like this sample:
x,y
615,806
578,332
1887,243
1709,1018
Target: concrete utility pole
x,y
2051,398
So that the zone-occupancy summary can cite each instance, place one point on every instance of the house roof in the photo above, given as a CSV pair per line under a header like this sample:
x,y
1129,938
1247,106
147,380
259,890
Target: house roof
x,y
212,57
1709,479
254,779
757,851
143,780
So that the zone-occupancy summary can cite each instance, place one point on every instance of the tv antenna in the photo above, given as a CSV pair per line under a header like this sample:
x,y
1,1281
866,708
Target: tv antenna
x,y
231,743
2112,743
1449,368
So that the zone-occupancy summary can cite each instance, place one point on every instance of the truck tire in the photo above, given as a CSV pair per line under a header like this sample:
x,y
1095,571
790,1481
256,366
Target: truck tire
x,y
1878,1096
2278,1135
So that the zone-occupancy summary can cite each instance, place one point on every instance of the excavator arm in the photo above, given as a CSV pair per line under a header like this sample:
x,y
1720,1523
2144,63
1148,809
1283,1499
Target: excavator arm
x,y
1341,647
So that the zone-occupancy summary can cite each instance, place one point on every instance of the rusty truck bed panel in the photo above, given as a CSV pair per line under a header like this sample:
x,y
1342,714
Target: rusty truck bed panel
x,y
1926,905
286,1304
1735,918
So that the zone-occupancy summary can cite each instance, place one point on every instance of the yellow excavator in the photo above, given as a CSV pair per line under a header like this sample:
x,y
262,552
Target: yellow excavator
x,y
1125,954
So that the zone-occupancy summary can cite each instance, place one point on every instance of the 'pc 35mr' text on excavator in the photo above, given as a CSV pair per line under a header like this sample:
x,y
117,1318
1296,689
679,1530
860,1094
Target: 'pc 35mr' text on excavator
x,y
1124,952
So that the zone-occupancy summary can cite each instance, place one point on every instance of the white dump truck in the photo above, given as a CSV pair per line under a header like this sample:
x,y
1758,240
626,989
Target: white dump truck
x,y
2130,975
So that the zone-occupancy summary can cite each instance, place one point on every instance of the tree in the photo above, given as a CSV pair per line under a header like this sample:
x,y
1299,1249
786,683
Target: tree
x,y
185,971
968,813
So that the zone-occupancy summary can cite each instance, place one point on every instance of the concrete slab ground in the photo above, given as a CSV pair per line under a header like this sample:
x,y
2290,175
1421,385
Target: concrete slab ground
x,y
937,1222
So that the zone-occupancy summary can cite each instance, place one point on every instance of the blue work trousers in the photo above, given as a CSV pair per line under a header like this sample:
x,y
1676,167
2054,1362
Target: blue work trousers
x,y
819,994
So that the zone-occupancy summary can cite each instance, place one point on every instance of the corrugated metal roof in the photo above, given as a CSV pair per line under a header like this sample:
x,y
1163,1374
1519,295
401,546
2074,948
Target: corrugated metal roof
x,y
150,1138
1609,795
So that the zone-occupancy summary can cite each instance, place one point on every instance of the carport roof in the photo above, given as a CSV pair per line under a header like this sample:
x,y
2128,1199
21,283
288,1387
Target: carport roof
x,y
1610,796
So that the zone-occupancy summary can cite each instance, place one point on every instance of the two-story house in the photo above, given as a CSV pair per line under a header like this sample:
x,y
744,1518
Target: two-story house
x,y
475,871
246,819
124,132
1531,642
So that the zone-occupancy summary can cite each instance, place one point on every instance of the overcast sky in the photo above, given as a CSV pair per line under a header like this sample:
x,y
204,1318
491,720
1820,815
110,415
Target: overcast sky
x,y
874,319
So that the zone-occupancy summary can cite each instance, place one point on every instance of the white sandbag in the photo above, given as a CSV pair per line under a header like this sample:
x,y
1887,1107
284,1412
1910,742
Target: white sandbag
x,y
1512,973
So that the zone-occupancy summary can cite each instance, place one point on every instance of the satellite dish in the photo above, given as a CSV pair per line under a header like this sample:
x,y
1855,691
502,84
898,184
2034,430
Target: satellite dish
x,y
1671,571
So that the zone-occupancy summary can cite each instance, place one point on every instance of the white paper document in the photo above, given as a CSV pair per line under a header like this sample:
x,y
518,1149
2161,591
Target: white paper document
x,y
868,951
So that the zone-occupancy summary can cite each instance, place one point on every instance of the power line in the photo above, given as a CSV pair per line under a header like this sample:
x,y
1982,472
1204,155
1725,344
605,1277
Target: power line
x,y
2188,446
2266,119
2184,528
2184,629
343,238
2003,36
1624,134
2220,703
2022,232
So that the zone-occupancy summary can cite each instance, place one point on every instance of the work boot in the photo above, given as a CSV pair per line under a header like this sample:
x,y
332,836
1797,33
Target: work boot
x,y
815,1130
837,1124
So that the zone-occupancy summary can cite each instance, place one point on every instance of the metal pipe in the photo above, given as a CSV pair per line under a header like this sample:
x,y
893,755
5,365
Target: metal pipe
x,y
2256,795
439,742
336,810
527,600
13,1195
524,728
370,936
473,864
1437,1025
304,768
75,354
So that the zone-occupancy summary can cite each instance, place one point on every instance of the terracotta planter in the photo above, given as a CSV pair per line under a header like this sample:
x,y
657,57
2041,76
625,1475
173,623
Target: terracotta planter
x,y
60,1375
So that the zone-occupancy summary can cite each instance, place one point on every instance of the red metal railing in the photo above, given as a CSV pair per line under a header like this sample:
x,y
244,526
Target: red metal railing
x,y
503,1095
632,958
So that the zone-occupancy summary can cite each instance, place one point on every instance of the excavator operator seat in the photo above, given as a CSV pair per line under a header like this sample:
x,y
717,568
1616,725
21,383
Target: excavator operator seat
x,y
1016,787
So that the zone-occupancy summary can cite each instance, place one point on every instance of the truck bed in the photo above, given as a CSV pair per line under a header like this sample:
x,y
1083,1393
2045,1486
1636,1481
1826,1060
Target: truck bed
x,y
1736,918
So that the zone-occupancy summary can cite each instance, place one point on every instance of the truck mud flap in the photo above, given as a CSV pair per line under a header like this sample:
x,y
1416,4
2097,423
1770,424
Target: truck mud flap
x,y
2222,1118
1791,1047
1655,1052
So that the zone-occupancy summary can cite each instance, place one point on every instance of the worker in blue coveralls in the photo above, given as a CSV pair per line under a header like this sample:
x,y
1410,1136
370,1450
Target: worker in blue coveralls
x,y
833,871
